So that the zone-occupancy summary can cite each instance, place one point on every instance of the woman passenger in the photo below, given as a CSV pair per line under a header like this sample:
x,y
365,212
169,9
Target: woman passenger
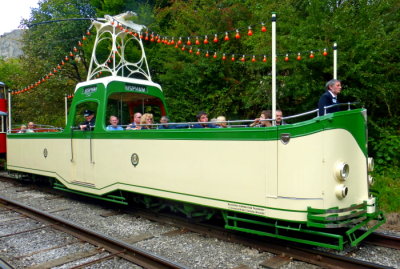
x,y
146,121
221,122
262,120
23,129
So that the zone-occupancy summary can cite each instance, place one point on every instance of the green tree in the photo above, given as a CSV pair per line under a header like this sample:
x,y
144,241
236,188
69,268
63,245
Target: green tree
x,y
55,29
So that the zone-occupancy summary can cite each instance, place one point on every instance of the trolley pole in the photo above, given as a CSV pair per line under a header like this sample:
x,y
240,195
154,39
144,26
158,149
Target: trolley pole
x,y
273,61
335,60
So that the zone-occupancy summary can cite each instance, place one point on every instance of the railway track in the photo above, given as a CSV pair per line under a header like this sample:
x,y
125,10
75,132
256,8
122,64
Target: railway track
x,y
109,247
384,240
282,253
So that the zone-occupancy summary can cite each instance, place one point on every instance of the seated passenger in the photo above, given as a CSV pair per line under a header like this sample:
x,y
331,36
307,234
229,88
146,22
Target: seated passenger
x,y
114,124
221,122
278,117
136,121
88,124
164,120
146,121
262,121
201,118
31,126
23,129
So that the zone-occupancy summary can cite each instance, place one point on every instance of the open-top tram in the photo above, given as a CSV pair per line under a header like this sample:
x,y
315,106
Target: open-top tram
x,y
307,182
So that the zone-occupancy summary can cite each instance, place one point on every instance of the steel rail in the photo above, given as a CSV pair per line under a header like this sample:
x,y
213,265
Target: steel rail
x,y
112,245
383,240
287,249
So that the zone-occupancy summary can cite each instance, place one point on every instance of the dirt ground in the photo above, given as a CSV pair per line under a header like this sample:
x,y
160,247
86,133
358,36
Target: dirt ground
x,y
392,222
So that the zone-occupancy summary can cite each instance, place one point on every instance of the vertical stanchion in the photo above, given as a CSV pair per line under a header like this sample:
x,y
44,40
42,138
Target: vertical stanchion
x,y
335,60
66,108
273,61
9,111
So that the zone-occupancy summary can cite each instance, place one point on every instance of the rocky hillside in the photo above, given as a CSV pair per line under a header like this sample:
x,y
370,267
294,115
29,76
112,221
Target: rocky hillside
x,y
10,46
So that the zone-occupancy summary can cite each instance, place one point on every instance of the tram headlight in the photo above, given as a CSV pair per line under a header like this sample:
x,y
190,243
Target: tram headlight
x,y
342,171
371,164
341,191
371,180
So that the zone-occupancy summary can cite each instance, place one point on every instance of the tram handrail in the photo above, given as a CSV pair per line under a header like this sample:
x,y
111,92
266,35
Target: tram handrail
x,y
40,128
348,104
301,114
188,125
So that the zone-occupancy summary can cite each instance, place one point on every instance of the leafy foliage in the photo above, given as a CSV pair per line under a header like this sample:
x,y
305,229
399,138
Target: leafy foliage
x,y
387,182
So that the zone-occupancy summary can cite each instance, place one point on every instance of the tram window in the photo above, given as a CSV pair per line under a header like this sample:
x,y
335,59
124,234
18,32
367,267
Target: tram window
x,y
125,105
80,109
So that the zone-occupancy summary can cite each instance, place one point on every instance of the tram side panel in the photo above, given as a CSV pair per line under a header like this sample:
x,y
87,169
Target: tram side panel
x,y
315,160
32,153
300,169
205,172
223,174
347,151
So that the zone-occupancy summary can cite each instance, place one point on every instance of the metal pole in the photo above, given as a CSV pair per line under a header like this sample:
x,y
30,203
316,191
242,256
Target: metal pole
x,y
335,60
66,108
9,110
273,61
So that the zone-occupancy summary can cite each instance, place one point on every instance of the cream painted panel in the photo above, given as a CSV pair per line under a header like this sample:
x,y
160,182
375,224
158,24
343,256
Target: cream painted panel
x,y
350,153
83,166
300,167
223,171
28,155
271,149
227,170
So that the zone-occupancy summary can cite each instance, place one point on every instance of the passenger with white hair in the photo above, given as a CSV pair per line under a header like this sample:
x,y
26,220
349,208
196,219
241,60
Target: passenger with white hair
x,y
164,121
221,122
333,88
31,127
114,124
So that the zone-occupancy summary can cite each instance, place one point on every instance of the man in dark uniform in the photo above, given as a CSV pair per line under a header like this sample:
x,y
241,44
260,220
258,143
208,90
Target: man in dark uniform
x,y
333,88
88,124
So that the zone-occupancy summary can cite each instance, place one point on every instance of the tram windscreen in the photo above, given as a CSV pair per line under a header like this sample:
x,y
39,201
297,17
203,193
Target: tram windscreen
x,y
124,105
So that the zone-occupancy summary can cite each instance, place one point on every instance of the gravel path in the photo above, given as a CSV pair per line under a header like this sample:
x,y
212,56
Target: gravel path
x,y
189,249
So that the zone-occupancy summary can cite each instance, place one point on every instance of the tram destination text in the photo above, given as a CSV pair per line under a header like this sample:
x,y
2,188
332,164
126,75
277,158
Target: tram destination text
x,y
135,88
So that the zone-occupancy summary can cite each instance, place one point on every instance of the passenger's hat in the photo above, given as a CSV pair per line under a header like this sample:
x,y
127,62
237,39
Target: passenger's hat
x,y
87,113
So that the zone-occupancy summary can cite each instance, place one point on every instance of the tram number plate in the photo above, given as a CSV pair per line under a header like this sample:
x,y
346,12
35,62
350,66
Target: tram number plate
x,y
247,208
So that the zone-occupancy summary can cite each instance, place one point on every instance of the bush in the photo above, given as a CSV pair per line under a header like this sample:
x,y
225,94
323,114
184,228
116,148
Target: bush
x,y
386,150
387,183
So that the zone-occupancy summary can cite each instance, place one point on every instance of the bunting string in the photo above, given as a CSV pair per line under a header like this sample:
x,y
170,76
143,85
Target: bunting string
x,y
192,44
